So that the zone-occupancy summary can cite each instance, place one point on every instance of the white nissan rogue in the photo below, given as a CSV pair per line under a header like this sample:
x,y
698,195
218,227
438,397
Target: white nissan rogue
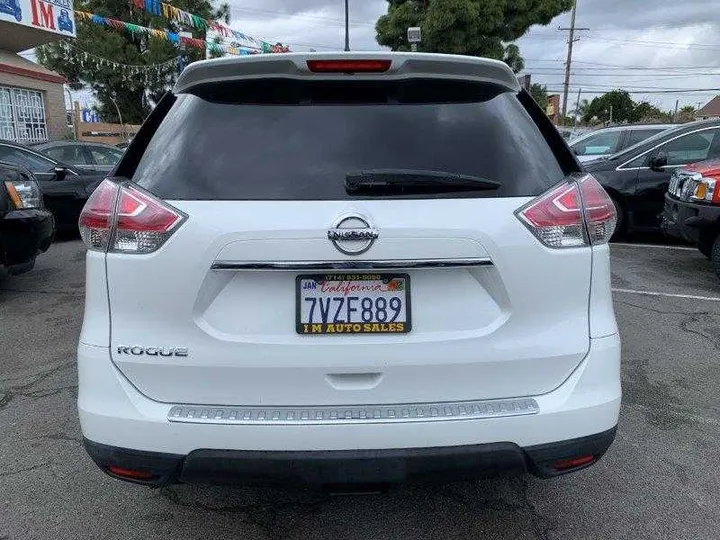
x,y
347,268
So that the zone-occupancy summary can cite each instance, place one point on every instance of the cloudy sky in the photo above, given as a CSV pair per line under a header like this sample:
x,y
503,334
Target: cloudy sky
x,y
653,47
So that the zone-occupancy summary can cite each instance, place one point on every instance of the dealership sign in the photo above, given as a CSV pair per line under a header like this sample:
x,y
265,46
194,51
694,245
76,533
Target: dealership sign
x,y
51,15
90,116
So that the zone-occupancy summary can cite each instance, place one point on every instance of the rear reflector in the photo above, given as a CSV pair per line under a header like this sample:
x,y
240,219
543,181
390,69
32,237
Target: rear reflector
x,y
575,213
566,464
124,218
348,66
131,473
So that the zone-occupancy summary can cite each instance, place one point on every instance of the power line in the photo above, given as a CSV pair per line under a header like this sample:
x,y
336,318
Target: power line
x,y
621,66
655,90
676,75
661,44
615,70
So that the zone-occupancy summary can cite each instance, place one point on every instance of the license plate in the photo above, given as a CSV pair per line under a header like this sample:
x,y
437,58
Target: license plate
x,y
338,304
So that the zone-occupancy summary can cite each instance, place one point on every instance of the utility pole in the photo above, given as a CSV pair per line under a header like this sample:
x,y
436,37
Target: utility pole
x,y
568,63
347,26
677,102
577,107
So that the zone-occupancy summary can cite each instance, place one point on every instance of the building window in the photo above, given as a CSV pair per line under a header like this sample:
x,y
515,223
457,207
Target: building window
x,y
22,115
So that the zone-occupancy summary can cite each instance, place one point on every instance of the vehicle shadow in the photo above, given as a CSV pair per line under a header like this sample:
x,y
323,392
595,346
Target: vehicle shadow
x,y
456,510
66,235
649,238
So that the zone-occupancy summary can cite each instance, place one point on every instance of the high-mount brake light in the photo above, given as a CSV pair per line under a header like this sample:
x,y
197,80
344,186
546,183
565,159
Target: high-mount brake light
x,y
348,66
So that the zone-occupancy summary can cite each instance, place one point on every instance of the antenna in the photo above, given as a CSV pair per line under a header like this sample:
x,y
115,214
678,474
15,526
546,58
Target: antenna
x,y
347,27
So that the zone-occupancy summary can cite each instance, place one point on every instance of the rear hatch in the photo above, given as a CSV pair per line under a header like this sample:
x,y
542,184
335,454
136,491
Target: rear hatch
x,y
259,170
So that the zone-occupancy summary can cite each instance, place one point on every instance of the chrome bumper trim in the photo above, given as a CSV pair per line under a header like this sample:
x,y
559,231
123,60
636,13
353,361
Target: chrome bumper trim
x,y
353,414
390,264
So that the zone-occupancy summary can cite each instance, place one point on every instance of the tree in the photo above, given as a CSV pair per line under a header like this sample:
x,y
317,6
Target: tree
x,y
617,103
472,27
581,108
539,94
645,112
513,58
686,114
133,94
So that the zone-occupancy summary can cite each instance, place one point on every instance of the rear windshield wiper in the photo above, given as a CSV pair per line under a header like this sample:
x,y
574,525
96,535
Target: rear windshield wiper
x,y
414,181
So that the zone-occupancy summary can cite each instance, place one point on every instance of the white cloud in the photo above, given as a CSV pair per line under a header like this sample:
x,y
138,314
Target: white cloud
x,y
659,34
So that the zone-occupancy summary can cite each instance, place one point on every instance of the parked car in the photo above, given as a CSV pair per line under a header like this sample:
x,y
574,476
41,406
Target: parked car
x,y
378,295
65,188
692,208
604,142
571,133
26,228
637,178
82,155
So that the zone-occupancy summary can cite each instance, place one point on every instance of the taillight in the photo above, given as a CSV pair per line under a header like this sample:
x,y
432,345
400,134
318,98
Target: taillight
x,y
348,66
123,218
96,218
578,212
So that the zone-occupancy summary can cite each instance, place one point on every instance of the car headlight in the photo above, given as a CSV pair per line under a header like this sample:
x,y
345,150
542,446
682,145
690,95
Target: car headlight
x,y
24,193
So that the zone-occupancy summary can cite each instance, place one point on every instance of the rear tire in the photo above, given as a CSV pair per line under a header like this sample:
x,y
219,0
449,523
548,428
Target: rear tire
x,y
715,256
706,249
621,219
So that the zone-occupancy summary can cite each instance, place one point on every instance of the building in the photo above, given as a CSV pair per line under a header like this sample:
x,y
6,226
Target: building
x,y
710,111
553,108
32,103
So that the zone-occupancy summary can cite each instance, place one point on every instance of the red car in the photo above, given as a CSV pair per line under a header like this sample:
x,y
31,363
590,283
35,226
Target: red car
x,y
692,208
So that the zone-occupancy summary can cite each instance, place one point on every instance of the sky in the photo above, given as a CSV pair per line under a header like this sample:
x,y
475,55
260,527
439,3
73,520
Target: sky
x,y
656,47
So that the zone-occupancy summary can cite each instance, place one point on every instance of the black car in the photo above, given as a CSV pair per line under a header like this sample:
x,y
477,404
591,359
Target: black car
x,y
65,188
637,178
26,228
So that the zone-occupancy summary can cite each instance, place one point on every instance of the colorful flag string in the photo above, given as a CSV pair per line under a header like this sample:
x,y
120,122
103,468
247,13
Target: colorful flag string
x,y
130,69
155,7
167,35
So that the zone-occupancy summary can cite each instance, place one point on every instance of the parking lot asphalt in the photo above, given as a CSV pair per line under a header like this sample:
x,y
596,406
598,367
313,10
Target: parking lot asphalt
x,y
660,479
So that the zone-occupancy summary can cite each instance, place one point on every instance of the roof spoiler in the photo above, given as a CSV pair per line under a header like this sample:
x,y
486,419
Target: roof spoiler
x,y
295,66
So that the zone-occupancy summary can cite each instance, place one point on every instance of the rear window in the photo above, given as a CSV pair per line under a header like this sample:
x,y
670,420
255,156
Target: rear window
x,y
279,140
639,135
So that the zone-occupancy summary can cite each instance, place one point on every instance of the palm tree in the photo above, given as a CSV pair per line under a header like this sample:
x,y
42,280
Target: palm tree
x,y
581,108
686,114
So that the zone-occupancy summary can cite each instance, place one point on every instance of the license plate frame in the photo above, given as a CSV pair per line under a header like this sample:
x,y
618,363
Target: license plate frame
x,y
384,328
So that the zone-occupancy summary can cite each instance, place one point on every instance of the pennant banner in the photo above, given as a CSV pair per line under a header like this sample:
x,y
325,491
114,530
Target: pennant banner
x,y
163,34
178,15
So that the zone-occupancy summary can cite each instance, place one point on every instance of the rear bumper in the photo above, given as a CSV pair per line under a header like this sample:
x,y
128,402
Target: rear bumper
x,y
346,467
23,235
687,220
123,426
